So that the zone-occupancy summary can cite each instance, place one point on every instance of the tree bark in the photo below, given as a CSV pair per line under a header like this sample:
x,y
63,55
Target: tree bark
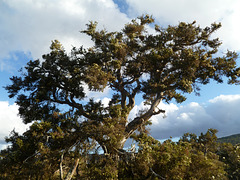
x,y
60,168
72,170
138,121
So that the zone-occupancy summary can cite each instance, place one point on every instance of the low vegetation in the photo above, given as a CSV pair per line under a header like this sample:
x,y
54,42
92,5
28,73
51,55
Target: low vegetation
x,y
192,157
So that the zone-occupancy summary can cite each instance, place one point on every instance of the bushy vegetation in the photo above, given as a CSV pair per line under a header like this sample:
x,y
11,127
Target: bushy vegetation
x,y
192,157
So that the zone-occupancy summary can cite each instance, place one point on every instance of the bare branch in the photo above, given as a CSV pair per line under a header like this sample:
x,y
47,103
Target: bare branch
x,y
60,167
72,170
155,174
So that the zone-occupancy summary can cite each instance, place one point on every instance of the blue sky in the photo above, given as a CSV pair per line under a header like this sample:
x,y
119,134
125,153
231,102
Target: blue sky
x,y
27,28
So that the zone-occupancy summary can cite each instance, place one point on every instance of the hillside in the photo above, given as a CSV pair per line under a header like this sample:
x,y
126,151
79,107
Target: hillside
x,y
233,139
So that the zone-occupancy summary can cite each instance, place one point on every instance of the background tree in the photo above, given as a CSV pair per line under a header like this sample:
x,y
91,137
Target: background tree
x,y
161,67
233,139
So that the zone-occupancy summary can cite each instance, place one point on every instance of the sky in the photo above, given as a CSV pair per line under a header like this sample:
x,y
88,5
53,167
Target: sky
x,y
27,28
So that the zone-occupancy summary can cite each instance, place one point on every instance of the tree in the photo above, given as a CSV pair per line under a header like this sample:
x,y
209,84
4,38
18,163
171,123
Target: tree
x,y
161,67
233,139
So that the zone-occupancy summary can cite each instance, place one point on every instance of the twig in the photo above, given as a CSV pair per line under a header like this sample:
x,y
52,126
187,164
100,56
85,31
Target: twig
x,y
155,174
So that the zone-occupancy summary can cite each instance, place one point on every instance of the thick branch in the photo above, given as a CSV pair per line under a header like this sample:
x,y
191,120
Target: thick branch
x,y
131,97
60,167
138,121
120,86
72,170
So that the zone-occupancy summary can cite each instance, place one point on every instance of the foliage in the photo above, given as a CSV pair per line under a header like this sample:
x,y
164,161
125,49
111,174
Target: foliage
x,y
191,157
233,139
186,159
230,155
68,126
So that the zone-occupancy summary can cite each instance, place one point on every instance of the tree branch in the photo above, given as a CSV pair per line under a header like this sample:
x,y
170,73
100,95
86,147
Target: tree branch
x,y
72,170
133,125
71,103
131,97
155,174
60,167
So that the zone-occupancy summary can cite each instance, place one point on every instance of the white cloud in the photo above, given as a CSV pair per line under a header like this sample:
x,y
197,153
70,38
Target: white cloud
x,y
225,99
221,113
9,120
29,26
105,101
204,12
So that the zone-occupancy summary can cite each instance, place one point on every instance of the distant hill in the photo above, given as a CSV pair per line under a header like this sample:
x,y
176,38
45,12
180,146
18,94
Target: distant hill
x,y
233,139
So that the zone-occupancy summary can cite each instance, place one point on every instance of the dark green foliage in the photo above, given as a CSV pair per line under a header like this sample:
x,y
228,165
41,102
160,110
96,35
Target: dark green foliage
x,y
233,139
68,126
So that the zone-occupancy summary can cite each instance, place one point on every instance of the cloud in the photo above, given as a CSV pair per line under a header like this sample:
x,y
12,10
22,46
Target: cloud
x,y
29,26
204,12
221,113
9,120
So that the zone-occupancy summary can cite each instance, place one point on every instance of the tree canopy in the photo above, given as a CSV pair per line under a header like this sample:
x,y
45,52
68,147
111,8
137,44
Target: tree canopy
x,y
67,124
